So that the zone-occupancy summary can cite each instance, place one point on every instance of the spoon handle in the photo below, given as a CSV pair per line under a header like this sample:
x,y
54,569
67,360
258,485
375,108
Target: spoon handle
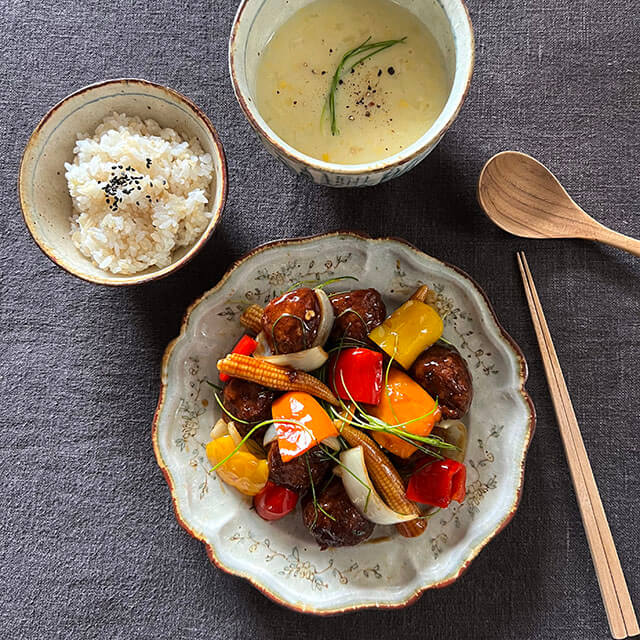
x,y
618,240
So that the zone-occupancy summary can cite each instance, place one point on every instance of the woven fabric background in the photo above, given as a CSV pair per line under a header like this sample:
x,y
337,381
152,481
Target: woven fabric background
x,y
89,546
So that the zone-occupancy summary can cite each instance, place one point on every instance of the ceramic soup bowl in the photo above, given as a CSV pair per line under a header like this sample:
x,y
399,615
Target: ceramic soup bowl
x,y
281,558
44,195
254,25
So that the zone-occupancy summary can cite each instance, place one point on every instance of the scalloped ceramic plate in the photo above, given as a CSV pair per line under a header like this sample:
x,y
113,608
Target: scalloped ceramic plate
x,y
281,559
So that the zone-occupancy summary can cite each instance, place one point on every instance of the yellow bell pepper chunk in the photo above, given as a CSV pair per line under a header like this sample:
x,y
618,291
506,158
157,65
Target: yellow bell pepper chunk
x,y
408,331
404,400
244,471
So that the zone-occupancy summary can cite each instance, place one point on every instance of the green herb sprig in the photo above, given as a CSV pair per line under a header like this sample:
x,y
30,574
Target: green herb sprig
x,y
360,419
363,420
316,507
367,48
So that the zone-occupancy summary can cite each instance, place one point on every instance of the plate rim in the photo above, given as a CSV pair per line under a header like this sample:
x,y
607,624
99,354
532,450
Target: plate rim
x,y
419,591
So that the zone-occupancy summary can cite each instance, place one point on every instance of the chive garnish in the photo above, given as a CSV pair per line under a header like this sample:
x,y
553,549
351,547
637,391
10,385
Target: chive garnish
x,y
316,507
367,48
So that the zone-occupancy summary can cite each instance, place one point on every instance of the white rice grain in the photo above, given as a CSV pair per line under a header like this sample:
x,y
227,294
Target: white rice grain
x,y
132,217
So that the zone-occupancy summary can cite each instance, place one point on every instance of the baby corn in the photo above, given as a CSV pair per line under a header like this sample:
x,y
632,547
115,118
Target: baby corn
x,y
252,318
426,295
274,377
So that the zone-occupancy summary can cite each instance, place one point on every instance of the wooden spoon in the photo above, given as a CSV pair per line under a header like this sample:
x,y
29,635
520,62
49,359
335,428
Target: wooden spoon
x,y
524,198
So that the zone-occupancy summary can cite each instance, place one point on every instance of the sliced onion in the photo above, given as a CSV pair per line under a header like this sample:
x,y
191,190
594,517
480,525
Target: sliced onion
x,y
270,435
219,429
361,491
248,445
332,442
307,360
234,433
454,432
263,349
326,318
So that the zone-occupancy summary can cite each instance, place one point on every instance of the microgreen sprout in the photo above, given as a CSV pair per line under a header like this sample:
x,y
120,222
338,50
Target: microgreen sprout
x,y
217,387
368,49
234,418
361,419
305,329
314,498
253,430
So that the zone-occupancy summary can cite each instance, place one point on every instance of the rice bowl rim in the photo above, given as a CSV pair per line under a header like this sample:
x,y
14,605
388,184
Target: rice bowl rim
x,y
219,197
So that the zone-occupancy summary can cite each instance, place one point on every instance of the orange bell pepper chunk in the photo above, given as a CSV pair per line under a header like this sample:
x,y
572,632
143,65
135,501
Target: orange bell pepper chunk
x,y
294,439
403,400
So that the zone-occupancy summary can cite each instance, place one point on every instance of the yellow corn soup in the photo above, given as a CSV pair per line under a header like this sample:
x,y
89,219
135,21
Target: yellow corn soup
x,y
382,106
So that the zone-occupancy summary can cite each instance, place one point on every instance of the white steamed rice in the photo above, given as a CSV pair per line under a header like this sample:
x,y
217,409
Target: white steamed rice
x,y
139,192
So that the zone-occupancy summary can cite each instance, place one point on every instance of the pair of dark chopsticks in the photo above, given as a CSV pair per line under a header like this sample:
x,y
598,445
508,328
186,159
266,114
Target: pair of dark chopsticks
x,y
617,602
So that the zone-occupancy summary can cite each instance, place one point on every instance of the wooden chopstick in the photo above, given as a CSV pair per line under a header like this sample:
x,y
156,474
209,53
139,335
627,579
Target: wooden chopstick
x,y
615,594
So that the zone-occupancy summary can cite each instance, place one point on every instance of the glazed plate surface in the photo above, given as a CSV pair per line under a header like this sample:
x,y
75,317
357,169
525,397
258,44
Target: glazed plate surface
x,y
280,558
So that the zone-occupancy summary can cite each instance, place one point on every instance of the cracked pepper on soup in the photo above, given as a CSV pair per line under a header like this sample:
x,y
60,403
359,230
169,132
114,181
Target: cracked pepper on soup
x,y
351,81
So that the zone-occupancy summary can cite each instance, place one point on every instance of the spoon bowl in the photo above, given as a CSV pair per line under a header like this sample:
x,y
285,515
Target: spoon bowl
x,y
524,198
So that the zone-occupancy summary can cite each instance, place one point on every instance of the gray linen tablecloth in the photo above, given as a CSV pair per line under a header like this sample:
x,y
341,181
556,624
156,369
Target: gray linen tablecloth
x,y
89,546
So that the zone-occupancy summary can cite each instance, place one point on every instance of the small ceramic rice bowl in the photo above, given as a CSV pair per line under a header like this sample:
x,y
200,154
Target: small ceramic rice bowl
x,y
43,184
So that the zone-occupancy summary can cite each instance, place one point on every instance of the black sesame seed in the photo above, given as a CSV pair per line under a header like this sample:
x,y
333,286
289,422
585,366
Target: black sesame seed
x,y
341,82
379,72
391,71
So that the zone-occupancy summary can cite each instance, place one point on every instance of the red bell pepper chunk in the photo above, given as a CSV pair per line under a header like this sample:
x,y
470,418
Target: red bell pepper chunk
x,y
356,374
437,483
274,502
245,346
